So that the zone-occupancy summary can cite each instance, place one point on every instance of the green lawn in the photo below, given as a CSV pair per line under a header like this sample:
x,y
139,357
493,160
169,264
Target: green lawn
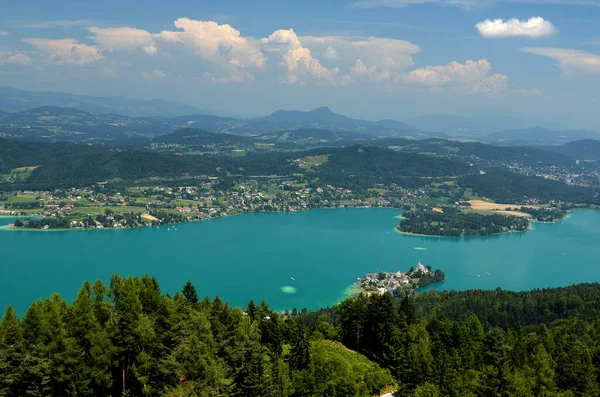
x,y
22,198
100,210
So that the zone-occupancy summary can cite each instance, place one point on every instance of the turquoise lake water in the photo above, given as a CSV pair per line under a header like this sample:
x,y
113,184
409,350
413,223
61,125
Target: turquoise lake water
x,y
253,256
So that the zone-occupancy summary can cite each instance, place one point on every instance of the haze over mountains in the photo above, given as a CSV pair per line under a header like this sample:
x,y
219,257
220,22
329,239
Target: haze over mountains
x,y
57,116
15,100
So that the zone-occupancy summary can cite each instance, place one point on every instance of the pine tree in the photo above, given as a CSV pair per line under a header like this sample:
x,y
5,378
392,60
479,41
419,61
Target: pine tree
x,y
189,292
300,353
10,353
251,310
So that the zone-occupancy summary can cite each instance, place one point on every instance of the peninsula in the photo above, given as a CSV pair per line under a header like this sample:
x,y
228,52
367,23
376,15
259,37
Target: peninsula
x,y
399,284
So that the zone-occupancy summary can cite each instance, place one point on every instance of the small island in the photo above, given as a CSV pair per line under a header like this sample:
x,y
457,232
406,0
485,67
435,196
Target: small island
x,y
399,284
470,220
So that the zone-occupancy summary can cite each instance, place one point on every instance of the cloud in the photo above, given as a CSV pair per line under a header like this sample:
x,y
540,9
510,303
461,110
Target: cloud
x,y
384,52
297,60
529,92
210,52
471,76
123,39
569,60
232,57
66,51
361,72
218,43
14,58
3,33
466,4
155,74
534,27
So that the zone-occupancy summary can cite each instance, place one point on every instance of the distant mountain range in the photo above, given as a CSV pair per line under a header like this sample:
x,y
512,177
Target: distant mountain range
x,y
59,116
471,126
75,124
538,136
68,124
585,149
320,118
14,100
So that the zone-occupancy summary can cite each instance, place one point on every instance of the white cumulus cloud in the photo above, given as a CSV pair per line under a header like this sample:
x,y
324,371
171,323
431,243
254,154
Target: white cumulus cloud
x,y
297,60
383,52
123,39
209,52
66,51
218,43
3,33
471,76
569,60
14,58
533,27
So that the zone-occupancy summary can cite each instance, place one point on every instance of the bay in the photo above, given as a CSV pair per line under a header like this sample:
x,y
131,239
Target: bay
x,y
255,256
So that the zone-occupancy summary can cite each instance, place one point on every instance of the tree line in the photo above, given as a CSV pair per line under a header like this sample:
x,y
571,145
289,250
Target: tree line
x,y
130,339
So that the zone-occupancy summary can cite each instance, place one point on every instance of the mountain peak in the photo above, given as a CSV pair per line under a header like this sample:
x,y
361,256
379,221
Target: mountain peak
x,y
322,110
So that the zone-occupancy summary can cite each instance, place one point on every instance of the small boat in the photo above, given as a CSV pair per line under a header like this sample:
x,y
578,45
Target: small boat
x,y
292,278
487,274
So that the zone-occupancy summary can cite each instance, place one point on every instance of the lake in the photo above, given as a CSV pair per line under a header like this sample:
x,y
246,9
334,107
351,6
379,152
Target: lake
x,y
254,256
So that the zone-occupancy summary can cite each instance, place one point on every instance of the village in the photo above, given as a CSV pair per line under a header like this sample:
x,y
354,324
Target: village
x,y
102,206
398,283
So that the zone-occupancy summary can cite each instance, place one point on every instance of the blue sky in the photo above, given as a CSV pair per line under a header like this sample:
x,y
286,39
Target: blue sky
x,y
536,59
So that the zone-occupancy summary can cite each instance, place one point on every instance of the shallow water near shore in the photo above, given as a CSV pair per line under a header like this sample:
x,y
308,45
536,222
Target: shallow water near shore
x,y
319,254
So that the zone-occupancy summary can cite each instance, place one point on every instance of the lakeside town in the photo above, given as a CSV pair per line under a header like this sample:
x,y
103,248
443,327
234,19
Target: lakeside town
x,y
399,284
100,206
115,204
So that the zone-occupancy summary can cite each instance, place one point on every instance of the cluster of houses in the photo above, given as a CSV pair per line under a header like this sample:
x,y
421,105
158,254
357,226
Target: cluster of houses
x,y
383,282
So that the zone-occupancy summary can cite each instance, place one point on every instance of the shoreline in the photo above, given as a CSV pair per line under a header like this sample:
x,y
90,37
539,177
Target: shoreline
x,y
530,227
9,227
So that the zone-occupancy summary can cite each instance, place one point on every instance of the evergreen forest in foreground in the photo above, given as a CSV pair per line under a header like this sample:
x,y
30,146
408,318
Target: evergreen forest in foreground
x,y
129,339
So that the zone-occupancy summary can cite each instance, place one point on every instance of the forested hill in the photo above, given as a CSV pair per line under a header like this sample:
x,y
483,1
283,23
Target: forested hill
x,y
476,150
507,187
68,124
65,165
360,167
197,138
585,149
130,339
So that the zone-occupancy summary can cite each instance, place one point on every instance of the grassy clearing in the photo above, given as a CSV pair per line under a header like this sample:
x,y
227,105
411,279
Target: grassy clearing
x,y
101,210
486,207
269,192
21,198
313,161
378,190
184,203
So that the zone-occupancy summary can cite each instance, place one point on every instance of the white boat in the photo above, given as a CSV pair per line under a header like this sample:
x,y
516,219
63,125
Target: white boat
x,y
292,278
